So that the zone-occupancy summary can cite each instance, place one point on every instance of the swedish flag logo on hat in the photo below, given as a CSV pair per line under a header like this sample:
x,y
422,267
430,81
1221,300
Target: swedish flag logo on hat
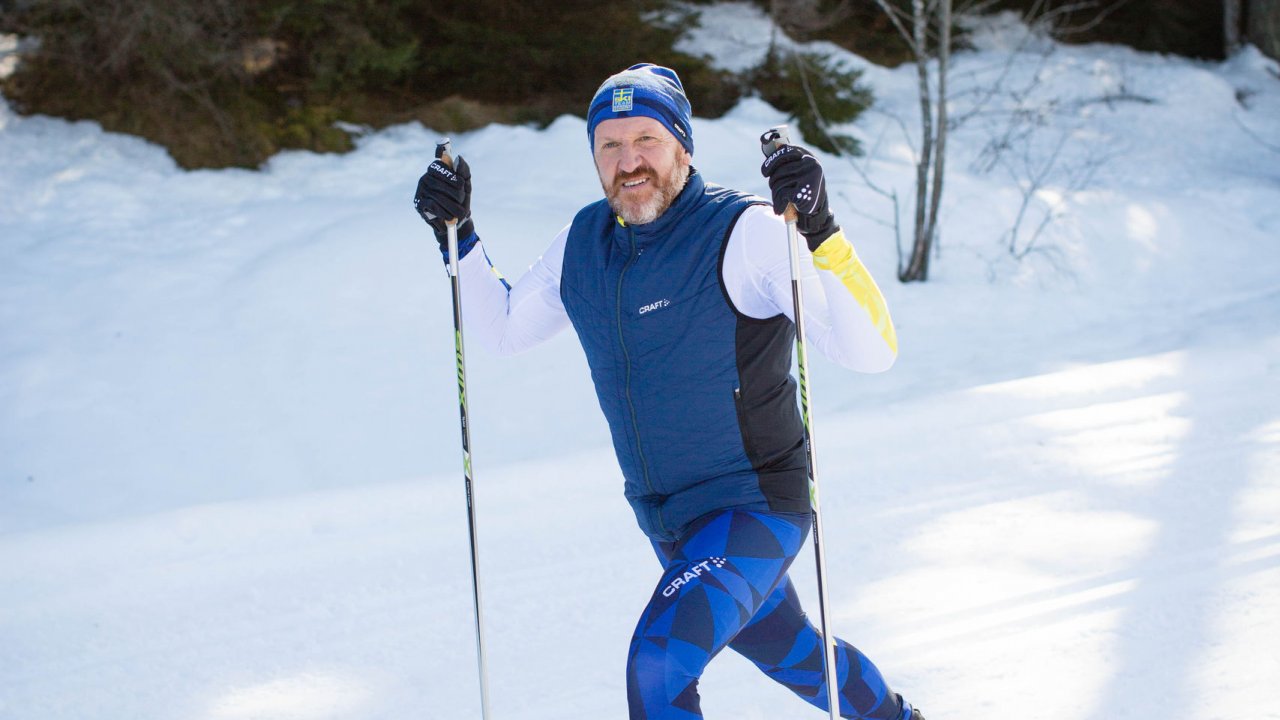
x,y
622,99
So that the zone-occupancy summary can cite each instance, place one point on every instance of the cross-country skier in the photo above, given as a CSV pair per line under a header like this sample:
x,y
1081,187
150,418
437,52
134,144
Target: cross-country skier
x,y
680,293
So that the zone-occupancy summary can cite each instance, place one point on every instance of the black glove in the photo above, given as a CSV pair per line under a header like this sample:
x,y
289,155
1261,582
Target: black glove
x,y
445,194
796,177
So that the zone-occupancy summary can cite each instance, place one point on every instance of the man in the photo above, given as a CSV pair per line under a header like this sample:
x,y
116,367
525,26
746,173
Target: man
x,y
680,293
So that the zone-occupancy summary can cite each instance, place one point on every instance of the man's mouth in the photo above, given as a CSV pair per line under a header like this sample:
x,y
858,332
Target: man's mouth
x,y
634,183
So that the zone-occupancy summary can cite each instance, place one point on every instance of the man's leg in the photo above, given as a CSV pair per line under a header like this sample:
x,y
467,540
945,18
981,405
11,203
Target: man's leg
x,y
781,642
716,579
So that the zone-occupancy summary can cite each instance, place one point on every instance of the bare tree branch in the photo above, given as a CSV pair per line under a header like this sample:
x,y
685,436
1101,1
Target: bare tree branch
x,y
891,195
1025,115
893,15
806,16
1059,30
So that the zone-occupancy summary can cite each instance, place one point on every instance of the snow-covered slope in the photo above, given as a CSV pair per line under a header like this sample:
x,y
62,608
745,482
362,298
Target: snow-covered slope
x,y
229,473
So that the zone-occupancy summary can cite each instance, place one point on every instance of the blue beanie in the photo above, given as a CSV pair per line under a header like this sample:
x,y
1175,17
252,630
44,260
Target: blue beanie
x,y
646,90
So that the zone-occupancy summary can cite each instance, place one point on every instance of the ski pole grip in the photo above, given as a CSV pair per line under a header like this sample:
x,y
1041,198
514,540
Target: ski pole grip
x,y
444,153
772,140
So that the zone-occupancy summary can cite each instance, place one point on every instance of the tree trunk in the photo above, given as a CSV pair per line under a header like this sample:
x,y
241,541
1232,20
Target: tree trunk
x,y
1262,25
940,152
1231,24
917,268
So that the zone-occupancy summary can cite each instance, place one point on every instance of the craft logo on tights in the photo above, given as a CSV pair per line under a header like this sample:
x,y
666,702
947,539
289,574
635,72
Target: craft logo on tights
x,y
693,573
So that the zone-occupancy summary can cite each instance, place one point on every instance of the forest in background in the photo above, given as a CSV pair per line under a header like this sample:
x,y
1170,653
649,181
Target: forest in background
x,y
228,83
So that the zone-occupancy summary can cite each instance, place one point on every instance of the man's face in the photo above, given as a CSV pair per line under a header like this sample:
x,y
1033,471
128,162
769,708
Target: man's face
x,y
642,167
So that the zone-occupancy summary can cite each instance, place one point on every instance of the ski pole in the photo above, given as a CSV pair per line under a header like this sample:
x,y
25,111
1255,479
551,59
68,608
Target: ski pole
x,y
772,140
444,153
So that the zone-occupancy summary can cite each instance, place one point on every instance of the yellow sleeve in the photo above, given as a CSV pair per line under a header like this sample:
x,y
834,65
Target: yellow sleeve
x,y
836,255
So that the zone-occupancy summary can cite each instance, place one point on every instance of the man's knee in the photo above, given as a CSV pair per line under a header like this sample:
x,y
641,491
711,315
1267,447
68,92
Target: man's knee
x,y
664,662
659,684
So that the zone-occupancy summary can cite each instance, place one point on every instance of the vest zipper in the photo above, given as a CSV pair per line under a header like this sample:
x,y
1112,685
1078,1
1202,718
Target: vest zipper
x,y
635,422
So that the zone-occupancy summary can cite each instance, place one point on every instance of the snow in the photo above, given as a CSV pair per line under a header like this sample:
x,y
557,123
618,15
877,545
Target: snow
x,y
229,467
737,36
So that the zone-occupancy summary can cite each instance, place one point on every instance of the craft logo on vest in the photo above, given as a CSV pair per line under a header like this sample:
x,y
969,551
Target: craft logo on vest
x,y
656,305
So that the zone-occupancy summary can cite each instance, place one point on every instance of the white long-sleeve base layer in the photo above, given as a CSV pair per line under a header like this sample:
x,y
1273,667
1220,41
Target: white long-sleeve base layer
x,y
846,318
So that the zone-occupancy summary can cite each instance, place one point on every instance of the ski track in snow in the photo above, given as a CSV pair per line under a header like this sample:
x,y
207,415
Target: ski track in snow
x,y
229,482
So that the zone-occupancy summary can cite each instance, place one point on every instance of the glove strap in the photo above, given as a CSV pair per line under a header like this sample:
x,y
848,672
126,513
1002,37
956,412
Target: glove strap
x,y
817,231
465,244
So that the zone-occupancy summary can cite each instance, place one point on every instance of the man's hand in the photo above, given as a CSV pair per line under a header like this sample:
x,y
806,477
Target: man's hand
x,y
795,177
444,194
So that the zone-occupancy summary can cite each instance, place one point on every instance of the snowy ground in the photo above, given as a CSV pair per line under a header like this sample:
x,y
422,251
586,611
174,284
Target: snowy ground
x,y
229,474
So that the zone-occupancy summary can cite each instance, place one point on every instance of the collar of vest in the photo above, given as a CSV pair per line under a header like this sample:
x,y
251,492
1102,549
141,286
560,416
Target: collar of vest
x,y
689,198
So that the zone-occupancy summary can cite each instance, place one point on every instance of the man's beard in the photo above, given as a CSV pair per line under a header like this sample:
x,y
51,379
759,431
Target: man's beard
x,y
664,192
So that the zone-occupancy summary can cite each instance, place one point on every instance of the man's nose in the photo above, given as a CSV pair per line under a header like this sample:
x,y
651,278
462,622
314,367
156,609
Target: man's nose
x,y
629,160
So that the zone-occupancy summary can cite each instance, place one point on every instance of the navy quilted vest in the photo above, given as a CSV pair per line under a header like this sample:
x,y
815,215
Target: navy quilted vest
x,y
699,398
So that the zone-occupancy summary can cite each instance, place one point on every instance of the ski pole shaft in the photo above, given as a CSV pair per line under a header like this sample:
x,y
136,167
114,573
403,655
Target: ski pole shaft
x,y
772,140
444,152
